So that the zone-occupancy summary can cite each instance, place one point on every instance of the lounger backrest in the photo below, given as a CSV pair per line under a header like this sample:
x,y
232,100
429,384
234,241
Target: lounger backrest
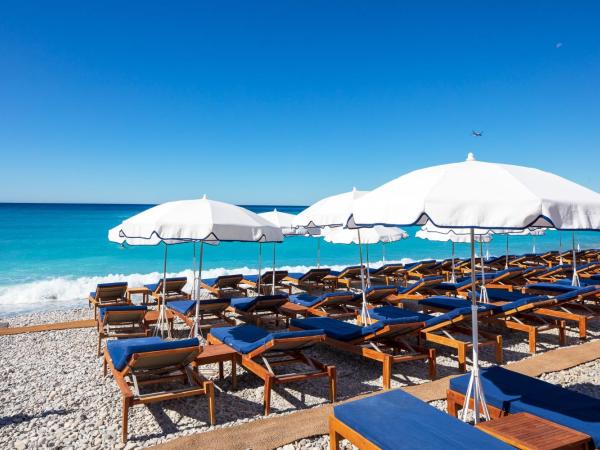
x,y
294,340
335,298
111,291
124,316
388,269
172,286
211,306
380,293
350,271
267,277
315,275
163,358
228,281
268,302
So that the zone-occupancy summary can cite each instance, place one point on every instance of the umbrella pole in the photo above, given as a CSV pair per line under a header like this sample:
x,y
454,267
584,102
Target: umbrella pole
x,y
366,318
383,252
368,272
194,273
575,280
484,294
273,281
162,313
474,389
506,264
259,268
453,277
533,243
318,253
196,329
560,258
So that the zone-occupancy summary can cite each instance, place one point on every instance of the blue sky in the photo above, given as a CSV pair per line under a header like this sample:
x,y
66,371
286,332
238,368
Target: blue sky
x,y
287,101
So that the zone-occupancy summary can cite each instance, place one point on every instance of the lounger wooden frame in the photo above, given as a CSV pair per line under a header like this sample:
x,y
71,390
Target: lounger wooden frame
x,y
211,314
393,272
150,368
121,324
311,280
421,270
444,334
280,352
258,311
173,288
266,282
337,306
389,346
108,296
225,285
348,275
338,430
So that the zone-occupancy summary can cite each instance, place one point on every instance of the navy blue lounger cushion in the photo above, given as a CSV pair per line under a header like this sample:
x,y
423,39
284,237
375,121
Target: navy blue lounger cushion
x,y
552,287
188,306
397,420
153,286
343,331
514,392
253,278
449,303
114,284
121,308
387,313
308,300
121,350
246,338
245,303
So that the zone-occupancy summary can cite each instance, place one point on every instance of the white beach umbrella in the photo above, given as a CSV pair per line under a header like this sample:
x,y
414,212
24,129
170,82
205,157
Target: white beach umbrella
x,y
479,195
284,221
333,212
454,235
374,235
200,220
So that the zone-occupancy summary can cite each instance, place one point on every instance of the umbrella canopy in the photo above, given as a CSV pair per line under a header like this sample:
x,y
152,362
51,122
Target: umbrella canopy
x,y
481,195
195,220
373,235
331,211
456,235
282,220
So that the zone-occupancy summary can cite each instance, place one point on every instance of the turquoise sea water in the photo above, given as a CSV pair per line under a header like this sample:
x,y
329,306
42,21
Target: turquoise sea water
x,y
52,255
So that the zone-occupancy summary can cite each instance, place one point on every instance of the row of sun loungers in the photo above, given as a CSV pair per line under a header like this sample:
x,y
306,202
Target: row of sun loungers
x,y
416,311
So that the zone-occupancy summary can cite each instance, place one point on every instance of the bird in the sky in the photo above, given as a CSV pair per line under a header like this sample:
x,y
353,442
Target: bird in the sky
x,y
477,133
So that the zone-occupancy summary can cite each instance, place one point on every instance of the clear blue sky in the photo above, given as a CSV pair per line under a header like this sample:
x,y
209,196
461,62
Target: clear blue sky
x,y
287,101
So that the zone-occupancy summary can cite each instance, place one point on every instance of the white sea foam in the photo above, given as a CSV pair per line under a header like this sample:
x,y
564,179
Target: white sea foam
x,y
66,292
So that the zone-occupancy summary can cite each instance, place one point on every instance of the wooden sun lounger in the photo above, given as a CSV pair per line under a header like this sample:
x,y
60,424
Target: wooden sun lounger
x,y
121,322
146,366
310,280
385,343
211,312
451,327
396,420
224,286
275,350
347,276
331,304
421,269
108,294
389,272
266,282
256,309
173,289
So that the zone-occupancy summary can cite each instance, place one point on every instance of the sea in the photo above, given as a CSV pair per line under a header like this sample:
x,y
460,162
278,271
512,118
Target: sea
x,y
53,255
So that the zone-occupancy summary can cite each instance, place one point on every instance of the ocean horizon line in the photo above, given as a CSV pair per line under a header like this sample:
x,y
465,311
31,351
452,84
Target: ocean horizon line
x,y
243,205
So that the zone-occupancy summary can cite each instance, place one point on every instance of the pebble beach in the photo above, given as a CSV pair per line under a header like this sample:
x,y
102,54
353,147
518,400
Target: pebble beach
x,y
53,394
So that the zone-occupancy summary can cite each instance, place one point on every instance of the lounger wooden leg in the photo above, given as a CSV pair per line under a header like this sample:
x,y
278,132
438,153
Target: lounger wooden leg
x,y
99,344
453,405
532,340
125,412
462,357
432,364
562,336
267,394
332,383
233,374
499,353
387,372
582,327
221,372
334,438
210,392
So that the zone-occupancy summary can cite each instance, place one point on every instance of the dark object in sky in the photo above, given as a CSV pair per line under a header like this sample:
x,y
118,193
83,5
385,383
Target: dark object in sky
x,y
477,133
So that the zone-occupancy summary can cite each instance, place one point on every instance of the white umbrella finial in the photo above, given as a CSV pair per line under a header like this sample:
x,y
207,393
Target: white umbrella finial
x,y
471,157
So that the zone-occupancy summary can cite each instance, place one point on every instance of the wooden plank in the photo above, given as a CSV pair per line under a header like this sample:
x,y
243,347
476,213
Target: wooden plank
x,y
90,323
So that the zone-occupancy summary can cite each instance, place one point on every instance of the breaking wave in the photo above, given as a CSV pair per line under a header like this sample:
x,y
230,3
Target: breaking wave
x,y
67,292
